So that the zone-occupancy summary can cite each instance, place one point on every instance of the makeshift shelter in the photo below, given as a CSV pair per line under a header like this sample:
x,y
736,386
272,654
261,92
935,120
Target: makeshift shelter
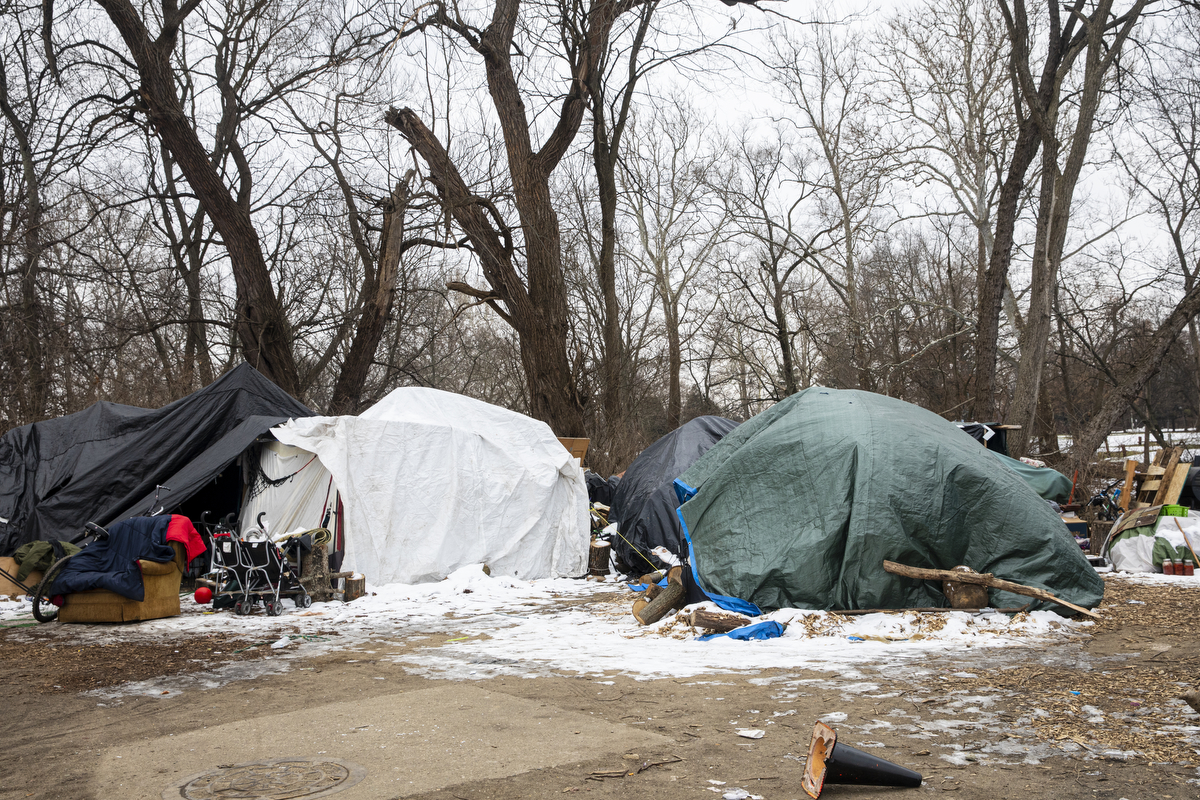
x,y
800,506
1143,548
645,502
103,464
431,481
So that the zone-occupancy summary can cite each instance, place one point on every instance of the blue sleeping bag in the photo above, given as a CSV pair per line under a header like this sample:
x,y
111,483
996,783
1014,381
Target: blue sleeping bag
x,y
112,563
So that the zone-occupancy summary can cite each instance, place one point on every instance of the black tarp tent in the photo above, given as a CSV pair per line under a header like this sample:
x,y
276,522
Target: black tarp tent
x,y
102,464
645,502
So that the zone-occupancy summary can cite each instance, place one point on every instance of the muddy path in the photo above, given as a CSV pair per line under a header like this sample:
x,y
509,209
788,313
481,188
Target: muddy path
x,y
1092,716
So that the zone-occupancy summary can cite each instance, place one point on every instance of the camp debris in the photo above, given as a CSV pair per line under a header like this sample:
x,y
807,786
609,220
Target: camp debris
x,y
658,601
422,483
833,761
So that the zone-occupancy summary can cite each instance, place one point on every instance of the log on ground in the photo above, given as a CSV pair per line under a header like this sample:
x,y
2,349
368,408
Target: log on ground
x,y
985,579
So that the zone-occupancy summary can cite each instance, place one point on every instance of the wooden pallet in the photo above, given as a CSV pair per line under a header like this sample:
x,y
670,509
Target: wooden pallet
x,y
1159,483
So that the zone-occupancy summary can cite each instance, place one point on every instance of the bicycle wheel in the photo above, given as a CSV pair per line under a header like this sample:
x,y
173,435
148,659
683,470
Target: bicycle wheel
x,y
43,609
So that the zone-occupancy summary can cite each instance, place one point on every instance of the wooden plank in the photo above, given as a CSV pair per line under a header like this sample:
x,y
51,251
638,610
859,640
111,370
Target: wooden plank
x,y
576,447
1135,519
1127,488
1149,486
1171,496
1169,469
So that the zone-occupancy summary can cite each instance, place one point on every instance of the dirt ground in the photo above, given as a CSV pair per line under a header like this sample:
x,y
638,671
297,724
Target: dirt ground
x,y
1050,716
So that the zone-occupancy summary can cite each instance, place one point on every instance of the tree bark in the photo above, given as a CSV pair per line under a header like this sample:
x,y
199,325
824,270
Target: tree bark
x,y
990,292
674,356
717,621
262,328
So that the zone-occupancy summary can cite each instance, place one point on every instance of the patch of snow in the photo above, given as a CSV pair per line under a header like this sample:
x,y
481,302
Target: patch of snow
x,y
474,626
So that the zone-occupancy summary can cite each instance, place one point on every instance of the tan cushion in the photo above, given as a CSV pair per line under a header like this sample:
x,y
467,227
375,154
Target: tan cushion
x,y
154,568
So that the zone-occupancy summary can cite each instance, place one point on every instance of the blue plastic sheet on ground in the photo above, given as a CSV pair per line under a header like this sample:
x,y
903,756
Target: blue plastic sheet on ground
x,y
759,630
641,587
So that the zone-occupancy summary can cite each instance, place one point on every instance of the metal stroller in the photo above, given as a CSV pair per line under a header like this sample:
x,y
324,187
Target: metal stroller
x,y
255,572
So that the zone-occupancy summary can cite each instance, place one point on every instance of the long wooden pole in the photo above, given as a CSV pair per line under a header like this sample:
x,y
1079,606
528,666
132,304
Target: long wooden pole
x,y
985,579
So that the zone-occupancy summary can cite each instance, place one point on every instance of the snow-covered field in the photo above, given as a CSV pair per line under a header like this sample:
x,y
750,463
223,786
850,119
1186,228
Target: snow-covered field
x,y
1132,442
472,626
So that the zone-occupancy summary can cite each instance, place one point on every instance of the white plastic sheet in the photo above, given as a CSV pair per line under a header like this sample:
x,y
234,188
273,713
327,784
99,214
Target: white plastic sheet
x,y
433,481
300,501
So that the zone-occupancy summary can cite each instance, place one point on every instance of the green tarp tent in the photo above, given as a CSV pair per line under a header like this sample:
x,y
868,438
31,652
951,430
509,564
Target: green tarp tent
x,y
800,506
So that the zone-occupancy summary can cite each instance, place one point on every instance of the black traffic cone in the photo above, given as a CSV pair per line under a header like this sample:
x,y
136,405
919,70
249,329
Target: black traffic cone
x,y
831,761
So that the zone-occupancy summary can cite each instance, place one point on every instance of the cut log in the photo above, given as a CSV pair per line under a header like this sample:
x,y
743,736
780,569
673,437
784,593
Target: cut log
x,y
965,595
1127,487
668,599
986,579
598,557
717,621
355,588
651,577
652,591
675,576
639,604
314,569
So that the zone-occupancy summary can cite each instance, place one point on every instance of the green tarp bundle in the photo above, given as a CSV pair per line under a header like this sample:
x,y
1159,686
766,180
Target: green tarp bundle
x,y
800,506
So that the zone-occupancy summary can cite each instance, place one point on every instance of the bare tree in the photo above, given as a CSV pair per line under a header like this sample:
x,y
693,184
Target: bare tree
x,y
667,181
823,77
769,198
1097,33
532,300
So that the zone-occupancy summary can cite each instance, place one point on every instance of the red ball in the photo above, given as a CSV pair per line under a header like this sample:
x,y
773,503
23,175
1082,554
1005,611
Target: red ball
x,y
203,595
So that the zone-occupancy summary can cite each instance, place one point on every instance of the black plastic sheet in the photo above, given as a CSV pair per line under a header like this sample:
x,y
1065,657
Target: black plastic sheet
x,y
645,503
102,464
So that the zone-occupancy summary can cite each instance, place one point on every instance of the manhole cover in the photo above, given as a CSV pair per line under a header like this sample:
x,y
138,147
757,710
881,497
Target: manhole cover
x,y
276,779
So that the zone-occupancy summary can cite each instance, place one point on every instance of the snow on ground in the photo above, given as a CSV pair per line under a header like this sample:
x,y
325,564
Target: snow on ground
x,y
472,626
1155,579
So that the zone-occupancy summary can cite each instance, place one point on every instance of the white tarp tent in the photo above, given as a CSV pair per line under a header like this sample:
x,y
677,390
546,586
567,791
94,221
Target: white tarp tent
x,y
432,481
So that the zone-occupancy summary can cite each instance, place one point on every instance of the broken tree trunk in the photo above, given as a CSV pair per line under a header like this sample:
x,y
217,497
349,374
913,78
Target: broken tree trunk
x,y
986,579
667,600
717,621
858,612
314,566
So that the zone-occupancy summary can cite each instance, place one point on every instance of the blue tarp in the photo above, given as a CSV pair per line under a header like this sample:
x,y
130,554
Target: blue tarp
x,y
757,631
